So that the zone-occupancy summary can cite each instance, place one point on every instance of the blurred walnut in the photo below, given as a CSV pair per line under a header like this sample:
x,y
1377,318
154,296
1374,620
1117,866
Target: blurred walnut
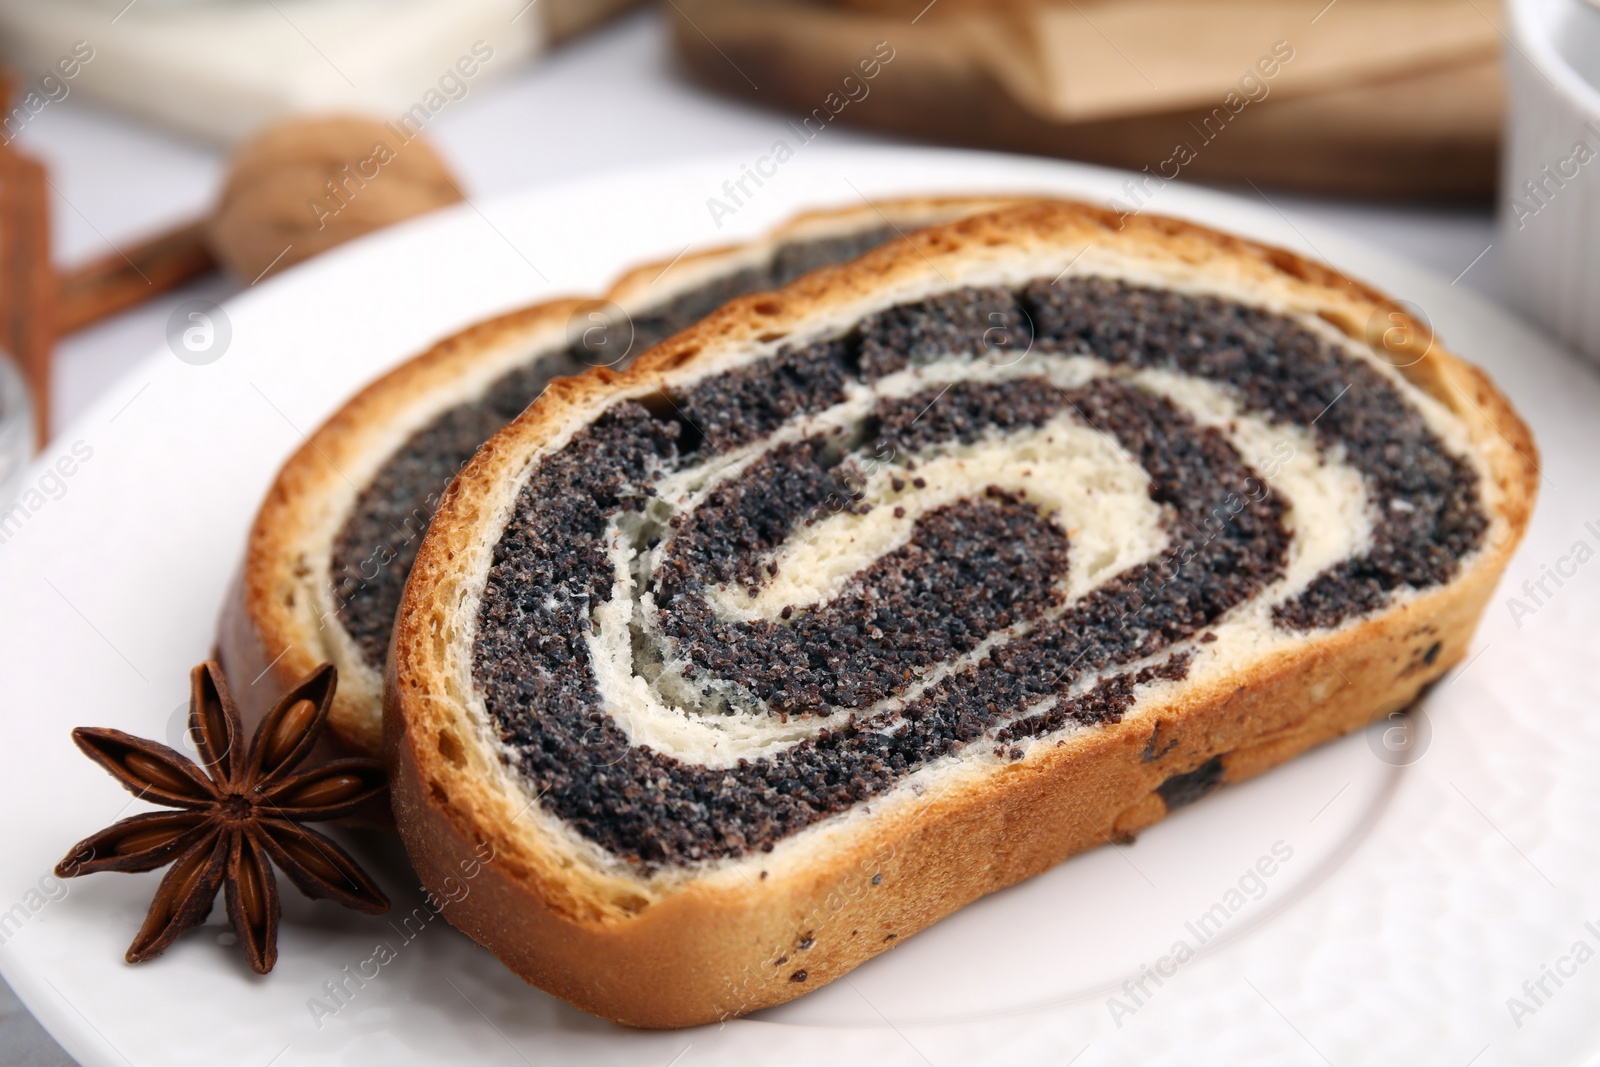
x,y
300,187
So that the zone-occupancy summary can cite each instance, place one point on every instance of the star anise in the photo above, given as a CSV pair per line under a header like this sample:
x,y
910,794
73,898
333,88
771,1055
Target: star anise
x,y
238,809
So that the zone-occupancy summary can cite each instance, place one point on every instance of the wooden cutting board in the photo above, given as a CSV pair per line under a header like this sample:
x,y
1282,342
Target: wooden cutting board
x,y
1373,97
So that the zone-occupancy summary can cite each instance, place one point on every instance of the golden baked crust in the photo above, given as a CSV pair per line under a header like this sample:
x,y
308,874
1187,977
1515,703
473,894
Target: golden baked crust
x,y
678,952
276,625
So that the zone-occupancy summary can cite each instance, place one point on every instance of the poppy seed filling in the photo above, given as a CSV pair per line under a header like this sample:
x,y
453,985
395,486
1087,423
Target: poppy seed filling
x,y
960,633
377,544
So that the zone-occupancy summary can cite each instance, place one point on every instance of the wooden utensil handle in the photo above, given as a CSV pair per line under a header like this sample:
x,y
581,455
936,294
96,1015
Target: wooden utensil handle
x,y
119,280
27,282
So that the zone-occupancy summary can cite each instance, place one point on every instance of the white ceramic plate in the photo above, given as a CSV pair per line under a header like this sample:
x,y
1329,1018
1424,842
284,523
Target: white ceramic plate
x,y
1411,896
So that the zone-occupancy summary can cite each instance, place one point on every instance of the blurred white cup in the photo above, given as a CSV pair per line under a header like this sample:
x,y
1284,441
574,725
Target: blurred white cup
x,y
1550,179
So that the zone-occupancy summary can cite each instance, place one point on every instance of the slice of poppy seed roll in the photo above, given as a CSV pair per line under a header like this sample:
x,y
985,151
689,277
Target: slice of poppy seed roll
x,y
330,549
862,599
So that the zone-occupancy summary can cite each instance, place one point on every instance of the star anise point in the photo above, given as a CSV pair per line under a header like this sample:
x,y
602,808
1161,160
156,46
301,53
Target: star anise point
x,y
238,812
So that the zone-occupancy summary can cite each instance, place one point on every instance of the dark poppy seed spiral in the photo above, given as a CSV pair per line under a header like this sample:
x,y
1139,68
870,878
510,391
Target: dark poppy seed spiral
x,y
959,638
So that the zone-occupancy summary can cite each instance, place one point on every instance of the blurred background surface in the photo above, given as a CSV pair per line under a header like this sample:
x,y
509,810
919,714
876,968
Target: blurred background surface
x,y
129,159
